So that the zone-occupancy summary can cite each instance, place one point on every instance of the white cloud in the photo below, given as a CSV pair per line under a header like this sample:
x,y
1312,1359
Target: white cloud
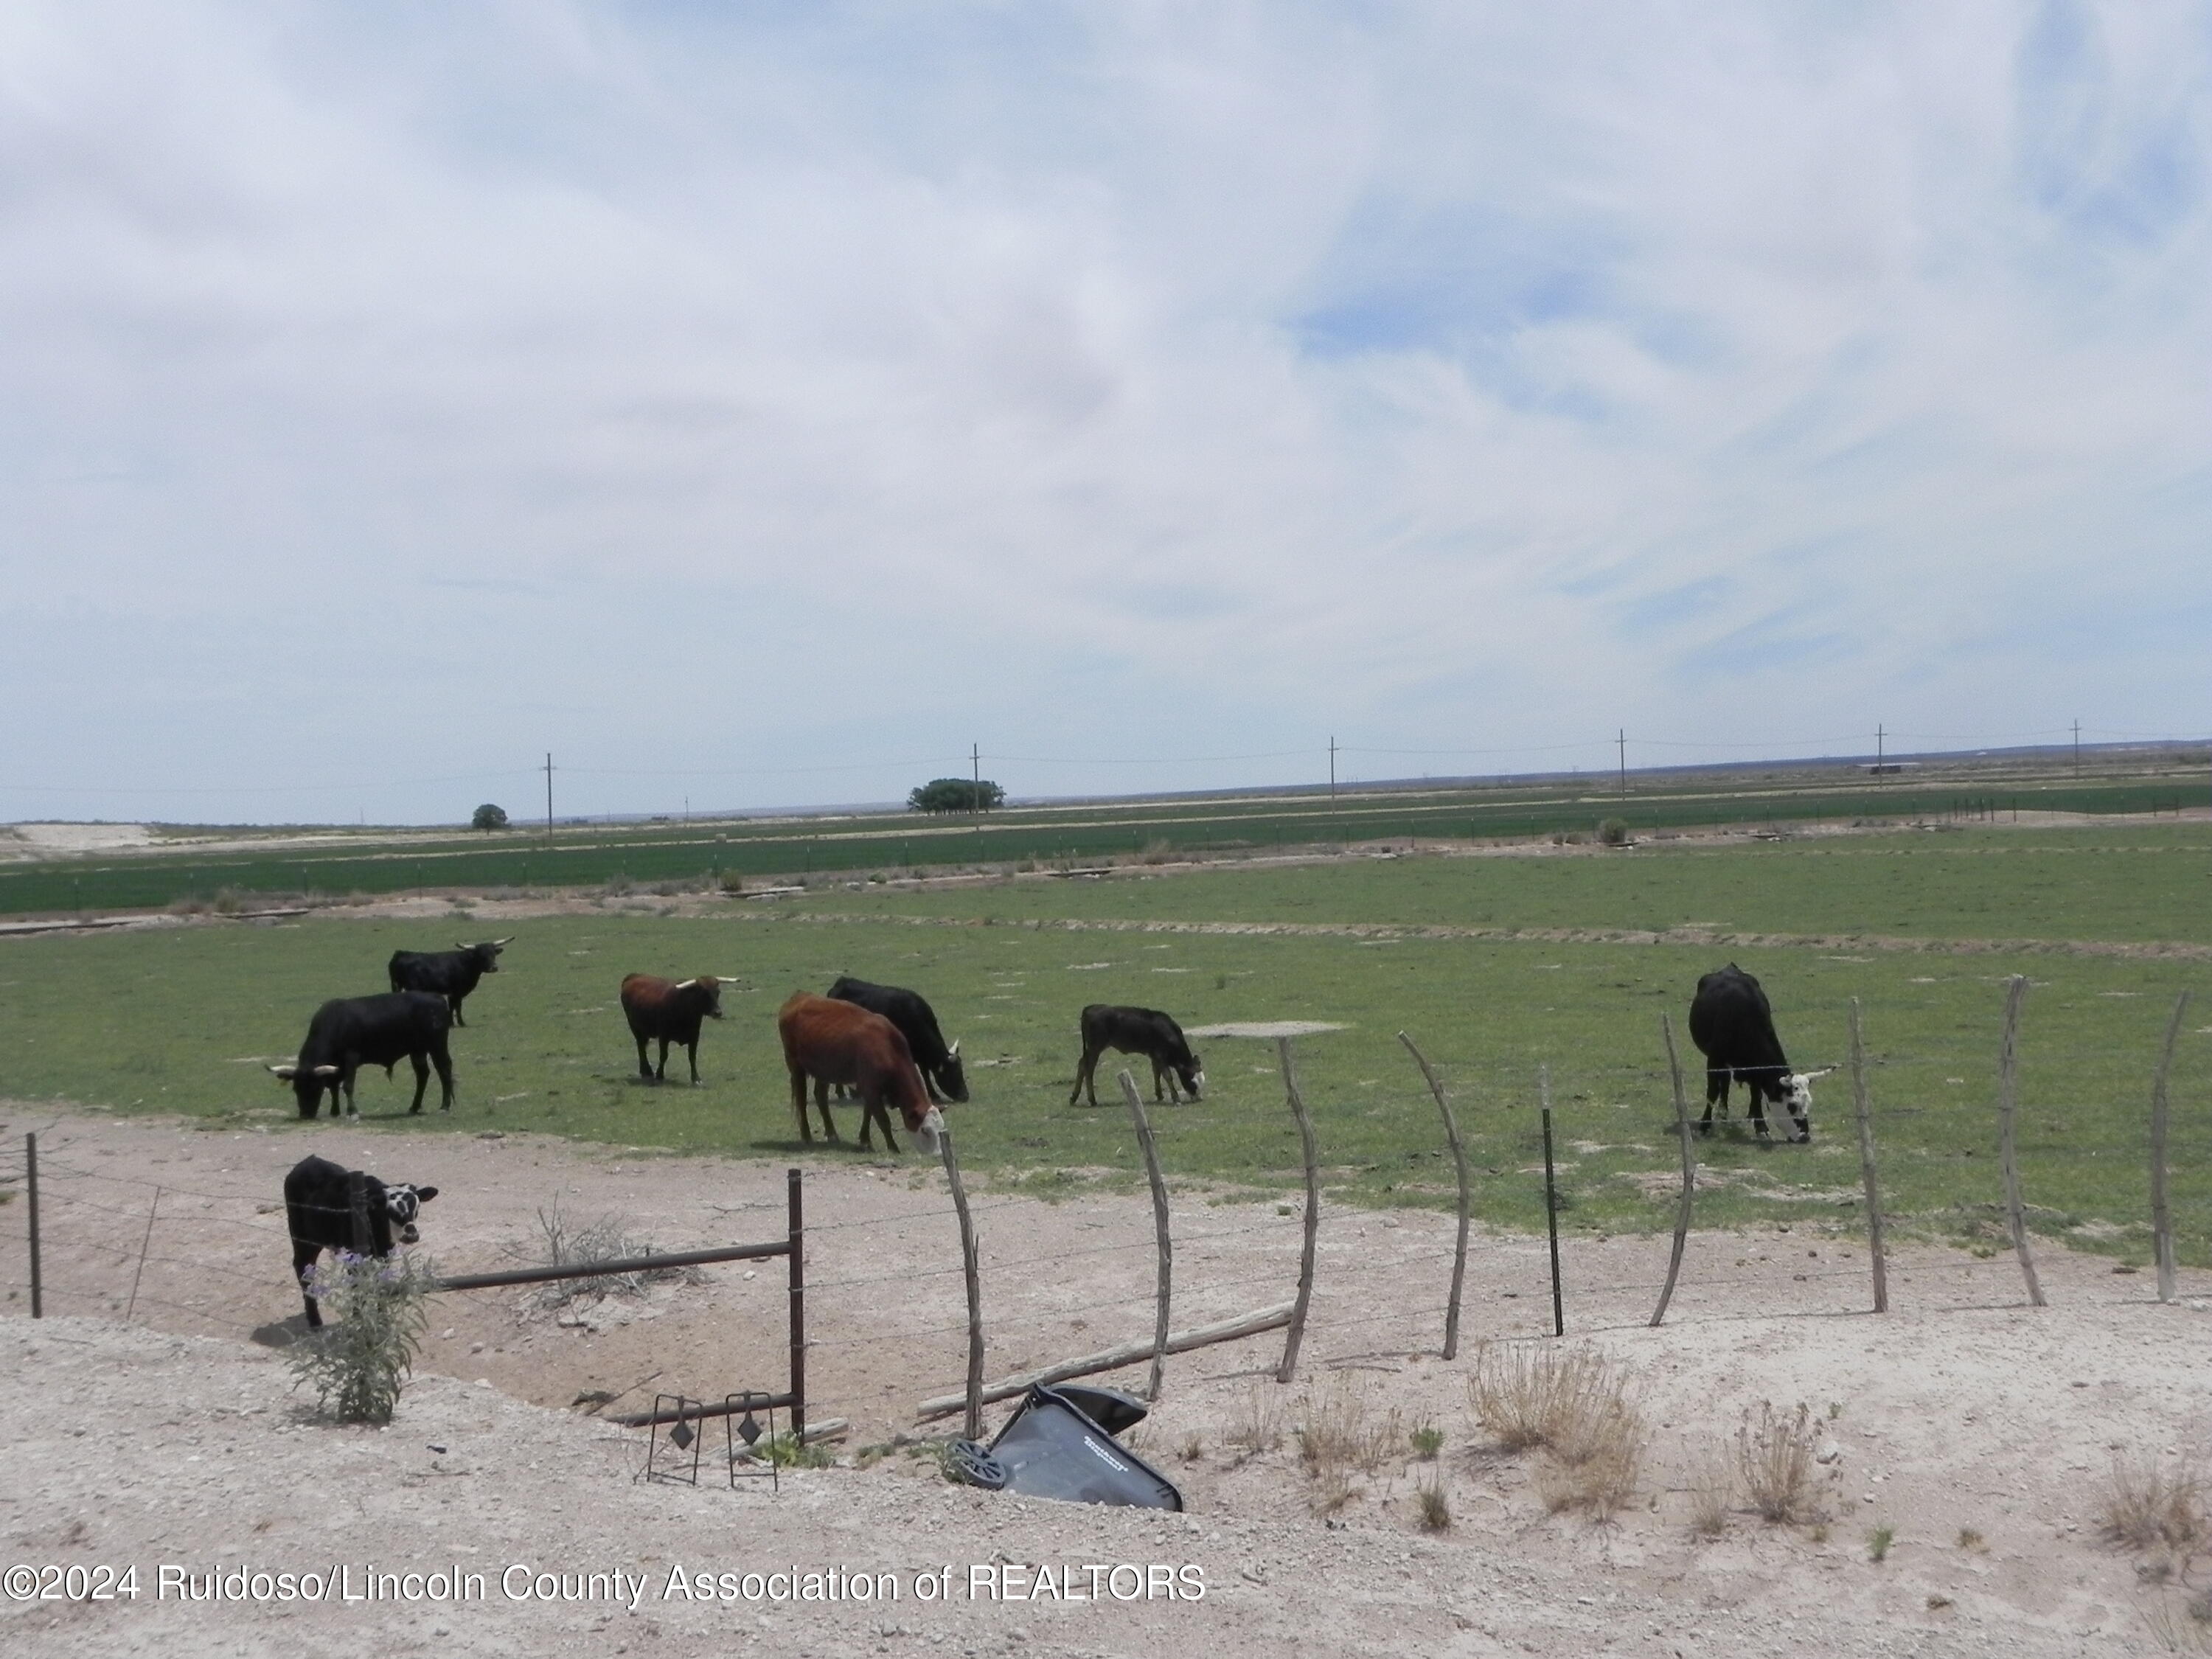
x,y
394,398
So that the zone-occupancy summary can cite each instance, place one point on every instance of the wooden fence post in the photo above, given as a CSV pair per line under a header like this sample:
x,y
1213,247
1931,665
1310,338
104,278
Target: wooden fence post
x,y
1866,1163
1458,1163
144,1244
1164,1244
1288,1368
2008,1098
973,1429
1689,1171
2161,1216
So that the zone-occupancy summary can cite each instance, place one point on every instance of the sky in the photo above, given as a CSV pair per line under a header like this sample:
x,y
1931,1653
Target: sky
x,y
766,404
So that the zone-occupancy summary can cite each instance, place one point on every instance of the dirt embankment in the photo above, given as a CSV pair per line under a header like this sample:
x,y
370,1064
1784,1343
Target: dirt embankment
x,y
1977,1432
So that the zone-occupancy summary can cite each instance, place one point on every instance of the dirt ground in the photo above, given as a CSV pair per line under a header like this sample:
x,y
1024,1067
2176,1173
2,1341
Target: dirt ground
x,y
1979,1431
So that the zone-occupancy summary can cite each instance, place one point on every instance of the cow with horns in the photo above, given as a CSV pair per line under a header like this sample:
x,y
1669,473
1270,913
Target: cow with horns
x,y
942,1073
350,1032
1732,1025
832,1042
449,973
1146,1032
320,1213
670,1010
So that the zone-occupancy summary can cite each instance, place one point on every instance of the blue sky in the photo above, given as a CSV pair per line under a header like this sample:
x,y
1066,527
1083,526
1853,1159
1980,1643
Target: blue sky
x,y
759,406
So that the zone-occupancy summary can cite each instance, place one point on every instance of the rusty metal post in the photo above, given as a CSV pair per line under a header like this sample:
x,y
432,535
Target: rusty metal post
x,y
31,1164
795,1262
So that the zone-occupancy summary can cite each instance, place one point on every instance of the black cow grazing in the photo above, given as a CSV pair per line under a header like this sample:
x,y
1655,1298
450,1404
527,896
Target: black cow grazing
x,y
318,1210
1136,1031
347,1033
942,1073
1732,1025
670,1010
449,973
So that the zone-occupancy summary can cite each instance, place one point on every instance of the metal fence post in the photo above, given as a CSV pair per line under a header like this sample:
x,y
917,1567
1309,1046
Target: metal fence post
x,y
795,1227
31,1163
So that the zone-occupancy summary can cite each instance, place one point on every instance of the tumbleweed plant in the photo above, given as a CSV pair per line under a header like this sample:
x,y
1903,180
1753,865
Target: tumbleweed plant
x,y
1574,1404
2147,1504
357,1364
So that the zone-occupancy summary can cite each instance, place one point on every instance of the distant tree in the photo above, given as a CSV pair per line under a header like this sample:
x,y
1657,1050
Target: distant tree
x,y
955,795
489,817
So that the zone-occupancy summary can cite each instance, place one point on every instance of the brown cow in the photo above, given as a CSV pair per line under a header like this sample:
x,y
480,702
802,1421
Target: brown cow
x,y
835,1042
670,1010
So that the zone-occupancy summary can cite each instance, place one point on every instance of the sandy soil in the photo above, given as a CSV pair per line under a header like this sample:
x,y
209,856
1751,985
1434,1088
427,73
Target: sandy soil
x,y
176,1437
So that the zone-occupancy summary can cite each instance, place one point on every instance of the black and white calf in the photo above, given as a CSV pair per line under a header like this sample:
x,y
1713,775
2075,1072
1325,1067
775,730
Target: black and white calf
x,y
1732,1025
1145,1031
318,1210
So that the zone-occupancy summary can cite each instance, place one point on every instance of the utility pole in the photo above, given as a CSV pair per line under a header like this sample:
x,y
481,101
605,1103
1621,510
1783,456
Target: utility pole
x,y
549,795
2077,749
1332,772
1623,741
1878,735
976,762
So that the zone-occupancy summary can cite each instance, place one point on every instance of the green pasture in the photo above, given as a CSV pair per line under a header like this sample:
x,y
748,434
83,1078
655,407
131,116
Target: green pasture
x,y
760,850
2130,883
180,1020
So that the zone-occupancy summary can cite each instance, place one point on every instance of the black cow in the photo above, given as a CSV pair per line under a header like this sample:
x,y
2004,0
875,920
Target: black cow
x,y
1136,1031
1732,1025
319,1210
945,1078
670,1010
449,973
347,1033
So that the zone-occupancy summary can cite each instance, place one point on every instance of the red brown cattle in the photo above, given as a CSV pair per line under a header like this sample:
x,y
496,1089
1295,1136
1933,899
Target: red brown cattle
x,y
670,1010
835,1042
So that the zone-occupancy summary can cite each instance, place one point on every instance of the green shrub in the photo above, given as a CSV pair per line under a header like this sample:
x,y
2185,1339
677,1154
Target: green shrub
x,y
1614,832
356,1366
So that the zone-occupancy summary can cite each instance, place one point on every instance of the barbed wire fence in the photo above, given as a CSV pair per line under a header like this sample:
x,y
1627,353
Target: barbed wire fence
x,y
890,1286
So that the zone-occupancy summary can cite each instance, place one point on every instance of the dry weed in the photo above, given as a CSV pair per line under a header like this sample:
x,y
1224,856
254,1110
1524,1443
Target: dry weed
x,y
1341,1435
2147,1504
1434,1508
1712,1491
1258,1425
1536,1396
1774,1460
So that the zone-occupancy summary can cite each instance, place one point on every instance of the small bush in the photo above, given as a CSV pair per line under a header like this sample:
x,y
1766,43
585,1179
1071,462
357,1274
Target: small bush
x,y
1970,1539
229,900
1614,832
1573,1403
619,885
1879,1540
1340,1431
2147,1504
356,1365
1427,1441
785,1450
567,1245
1432,1506
1774,1459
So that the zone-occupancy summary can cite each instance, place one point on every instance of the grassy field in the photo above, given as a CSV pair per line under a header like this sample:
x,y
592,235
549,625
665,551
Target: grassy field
x,y
179,1021
695,855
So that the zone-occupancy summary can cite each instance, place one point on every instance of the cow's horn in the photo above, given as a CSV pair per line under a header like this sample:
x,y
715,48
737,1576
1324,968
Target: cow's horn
x,y
288,1072
953,1052
326,1071
1823,1072
510,939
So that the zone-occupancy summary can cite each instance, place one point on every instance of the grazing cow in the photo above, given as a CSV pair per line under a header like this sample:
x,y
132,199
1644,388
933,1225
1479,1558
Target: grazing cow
x,y
319,1210
449,973
1732,1025
834,1042
1136,1031
671,1010
942,1073
347,1033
